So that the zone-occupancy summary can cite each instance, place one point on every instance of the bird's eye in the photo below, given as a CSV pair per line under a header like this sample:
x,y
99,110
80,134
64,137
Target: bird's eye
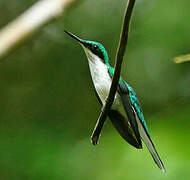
x,y
95,46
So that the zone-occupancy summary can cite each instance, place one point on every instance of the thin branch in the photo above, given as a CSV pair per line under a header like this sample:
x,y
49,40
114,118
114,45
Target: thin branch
x,y
182,58
30,22
119,59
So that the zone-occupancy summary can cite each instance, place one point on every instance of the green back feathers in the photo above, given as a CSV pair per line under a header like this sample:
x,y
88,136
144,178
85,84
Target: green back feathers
x,y
111,72
133,98
136,104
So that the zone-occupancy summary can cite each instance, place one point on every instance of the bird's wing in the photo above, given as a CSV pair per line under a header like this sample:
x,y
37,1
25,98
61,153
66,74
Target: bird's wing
x,y
125,98
124,128
143,129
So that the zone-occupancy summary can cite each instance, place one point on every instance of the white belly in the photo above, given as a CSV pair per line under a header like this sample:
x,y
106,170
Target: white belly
x,y
102,81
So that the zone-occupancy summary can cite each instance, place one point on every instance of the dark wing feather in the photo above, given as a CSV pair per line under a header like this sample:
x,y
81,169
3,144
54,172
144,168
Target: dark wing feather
x,y
124,128
125,98
121,124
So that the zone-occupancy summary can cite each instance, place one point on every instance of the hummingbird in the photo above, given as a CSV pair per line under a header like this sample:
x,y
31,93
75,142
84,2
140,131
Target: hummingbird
x,y
126,113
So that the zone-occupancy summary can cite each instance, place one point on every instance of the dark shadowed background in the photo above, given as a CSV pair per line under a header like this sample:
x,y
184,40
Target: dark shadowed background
x,y
48,108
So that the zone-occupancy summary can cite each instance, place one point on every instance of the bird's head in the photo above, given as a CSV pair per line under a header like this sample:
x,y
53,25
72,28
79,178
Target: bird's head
x,y
93,50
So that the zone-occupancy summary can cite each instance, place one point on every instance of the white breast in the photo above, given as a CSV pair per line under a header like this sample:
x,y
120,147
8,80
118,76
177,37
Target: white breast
x,y
100,77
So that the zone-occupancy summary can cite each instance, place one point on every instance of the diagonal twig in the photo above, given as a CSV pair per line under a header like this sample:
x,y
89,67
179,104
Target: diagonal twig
x,y
119,59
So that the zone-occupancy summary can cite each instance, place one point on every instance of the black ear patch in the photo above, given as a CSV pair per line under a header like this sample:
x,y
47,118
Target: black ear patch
x,y
95,50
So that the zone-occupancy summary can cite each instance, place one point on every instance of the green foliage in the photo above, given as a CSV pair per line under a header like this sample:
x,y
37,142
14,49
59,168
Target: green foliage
x,y
48,107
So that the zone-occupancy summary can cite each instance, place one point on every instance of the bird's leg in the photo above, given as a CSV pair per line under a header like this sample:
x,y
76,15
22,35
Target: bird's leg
x,y
98,127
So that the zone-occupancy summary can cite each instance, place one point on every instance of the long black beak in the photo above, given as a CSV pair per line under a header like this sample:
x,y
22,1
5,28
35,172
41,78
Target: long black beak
x,y
74,37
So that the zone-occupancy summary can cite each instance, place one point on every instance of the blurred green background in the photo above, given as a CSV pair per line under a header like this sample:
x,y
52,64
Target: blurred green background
x,y
48,107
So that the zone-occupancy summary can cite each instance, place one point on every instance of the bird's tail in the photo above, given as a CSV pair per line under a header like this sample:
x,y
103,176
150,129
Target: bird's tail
x,y
149,144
